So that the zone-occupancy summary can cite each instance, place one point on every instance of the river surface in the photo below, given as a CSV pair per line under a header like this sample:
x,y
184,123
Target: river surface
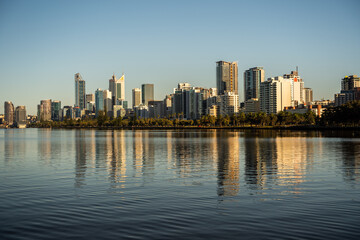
x,y
177,184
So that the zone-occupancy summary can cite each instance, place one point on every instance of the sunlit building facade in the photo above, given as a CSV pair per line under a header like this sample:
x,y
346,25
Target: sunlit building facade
x,y
275,95
147,93
9,112
117,88
252,79
227,77
136,97
20,117
80,92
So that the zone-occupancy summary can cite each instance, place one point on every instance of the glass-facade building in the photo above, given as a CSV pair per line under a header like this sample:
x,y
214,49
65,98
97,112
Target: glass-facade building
x,y
80,94
55,110
99,101
117,88
252,79
227,77
147,93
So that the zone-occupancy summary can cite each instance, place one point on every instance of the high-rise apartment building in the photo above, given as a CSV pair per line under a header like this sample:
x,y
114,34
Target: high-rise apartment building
x,y
20,116
350,90
9,112
188,102
308,96
44,110
229,103
136,97
147,93
297,88
350,82
80,92
99,101
275,94
252,79
90,97
117,88
56,112
227,77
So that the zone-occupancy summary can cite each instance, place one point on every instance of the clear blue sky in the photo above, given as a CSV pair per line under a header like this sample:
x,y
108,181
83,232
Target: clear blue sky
x,y
44,43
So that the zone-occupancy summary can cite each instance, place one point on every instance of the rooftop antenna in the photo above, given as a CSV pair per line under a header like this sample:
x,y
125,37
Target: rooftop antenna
x,y
297,69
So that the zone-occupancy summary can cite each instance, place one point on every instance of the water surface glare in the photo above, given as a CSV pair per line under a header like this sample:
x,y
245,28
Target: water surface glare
x,y
179,184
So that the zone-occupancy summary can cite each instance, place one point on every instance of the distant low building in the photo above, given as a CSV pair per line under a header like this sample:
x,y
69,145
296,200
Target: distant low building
x,y
252,105
302,109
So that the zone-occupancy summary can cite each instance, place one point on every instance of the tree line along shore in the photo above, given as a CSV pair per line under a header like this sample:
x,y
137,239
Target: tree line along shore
x,y
344,116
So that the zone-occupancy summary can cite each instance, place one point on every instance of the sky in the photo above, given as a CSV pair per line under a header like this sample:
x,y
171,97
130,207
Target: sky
x,y
44,43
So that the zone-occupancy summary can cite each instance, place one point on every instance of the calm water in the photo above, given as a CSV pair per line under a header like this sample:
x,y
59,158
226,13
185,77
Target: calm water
x,y
97,184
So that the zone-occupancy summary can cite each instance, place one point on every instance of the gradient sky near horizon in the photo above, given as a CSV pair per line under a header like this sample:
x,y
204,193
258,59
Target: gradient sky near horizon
x,y
44,43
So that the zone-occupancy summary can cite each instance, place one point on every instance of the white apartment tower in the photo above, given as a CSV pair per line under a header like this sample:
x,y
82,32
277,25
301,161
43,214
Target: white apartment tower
x,y
297,88
229,103
275,94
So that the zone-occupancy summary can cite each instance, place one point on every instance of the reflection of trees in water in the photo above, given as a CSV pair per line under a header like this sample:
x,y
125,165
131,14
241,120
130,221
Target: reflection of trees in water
x,y
350,160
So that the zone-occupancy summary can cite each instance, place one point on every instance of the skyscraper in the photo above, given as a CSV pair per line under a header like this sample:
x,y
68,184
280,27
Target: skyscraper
x,y
79,92
136,97
227,77
147,93
9,112
20,116
252,79
99,101
56,111
44,110
117,88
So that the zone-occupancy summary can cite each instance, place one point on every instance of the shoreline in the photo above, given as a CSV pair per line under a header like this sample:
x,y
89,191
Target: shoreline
x,y
295,128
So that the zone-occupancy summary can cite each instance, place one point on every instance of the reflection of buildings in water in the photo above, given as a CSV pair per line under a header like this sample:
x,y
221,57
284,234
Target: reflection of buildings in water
x,y
144,154
80,157
286,157
91,152
228,163
138,146
169,144
148,154
213,148
9,144
44,144
260,160
189,151
291,161
350,160
116,156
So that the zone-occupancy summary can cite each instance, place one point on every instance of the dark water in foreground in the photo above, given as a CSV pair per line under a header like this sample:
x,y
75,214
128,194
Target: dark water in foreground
x,y
94,184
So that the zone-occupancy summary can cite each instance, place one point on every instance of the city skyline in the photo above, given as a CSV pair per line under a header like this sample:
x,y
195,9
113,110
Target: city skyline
x,y
154,43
